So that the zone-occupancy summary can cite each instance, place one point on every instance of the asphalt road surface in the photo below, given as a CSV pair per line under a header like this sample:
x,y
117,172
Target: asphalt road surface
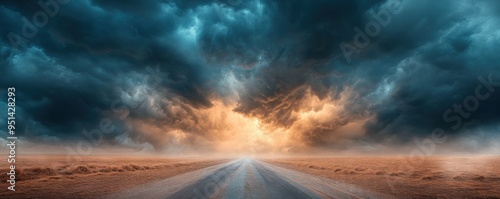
x,y
247,178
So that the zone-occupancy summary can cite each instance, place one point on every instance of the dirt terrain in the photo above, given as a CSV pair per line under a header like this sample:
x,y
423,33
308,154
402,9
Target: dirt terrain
x,y
92,176
247,178
404,177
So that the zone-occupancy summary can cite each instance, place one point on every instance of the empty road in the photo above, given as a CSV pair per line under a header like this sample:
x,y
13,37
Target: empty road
x,y
247,178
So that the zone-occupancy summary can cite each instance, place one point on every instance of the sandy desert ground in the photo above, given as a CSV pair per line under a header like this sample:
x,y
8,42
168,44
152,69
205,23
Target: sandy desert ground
x,y
247,178
92,176
404,177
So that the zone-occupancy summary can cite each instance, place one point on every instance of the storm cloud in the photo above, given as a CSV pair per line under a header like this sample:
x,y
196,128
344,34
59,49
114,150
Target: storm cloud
x,y
256,75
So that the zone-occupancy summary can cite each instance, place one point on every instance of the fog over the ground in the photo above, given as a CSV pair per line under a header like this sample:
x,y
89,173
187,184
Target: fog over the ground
x,y
255,76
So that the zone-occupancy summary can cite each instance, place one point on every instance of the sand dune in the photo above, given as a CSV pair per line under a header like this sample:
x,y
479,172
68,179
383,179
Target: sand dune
x,y
40,172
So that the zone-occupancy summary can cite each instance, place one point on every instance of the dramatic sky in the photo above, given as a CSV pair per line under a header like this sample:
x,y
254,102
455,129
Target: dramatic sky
x,y
256,76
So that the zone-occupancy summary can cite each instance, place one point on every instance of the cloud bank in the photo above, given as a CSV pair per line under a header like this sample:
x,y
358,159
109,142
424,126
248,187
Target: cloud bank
x,y
255,76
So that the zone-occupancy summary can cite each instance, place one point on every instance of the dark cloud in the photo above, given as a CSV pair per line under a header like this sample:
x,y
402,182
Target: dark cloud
x,y
173,65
